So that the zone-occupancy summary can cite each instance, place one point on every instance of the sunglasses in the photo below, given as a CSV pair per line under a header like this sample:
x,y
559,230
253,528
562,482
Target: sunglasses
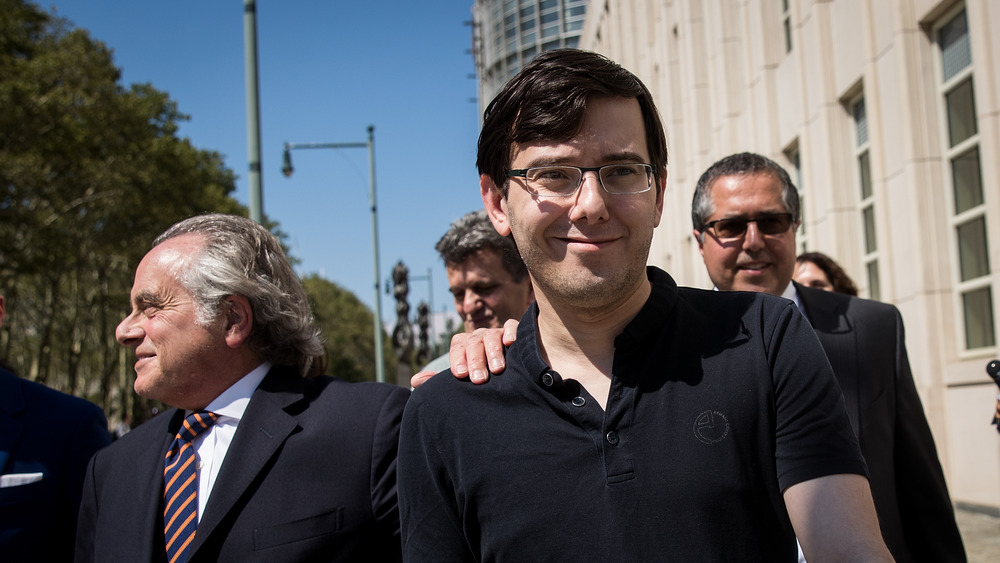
x,y
734,228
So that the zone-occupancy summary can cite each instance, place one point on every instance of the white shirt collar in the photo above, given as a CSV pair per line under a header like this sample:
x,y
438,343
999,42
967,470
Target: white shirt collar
x,y
233,402
789,293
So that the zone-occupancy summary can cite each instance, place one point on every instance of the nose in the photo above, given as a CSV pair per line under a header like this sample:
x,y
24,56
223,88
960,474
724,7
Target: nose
x,y
753,239
589,203
128,332
471,301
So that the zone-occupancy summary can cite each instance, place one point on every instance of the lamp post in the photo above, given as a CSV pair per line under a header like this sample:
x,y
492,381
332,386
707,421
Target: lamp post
x,y
253,109
286,169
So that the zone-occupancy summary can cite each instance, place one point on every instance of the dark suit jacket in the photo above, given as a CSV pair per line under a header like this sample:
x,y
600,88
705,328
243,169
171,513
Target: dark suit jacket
x,y
48,432
864,341
310,476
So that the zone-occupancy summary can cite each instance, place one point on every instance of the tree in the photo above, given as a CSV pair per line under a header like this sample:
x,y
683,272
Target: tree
x,y
90,173
347,325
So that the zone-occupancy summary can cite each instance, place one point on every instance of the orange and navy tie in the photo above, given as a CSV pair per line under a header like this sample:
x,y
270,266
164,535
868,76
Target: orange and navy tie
x,y
180,487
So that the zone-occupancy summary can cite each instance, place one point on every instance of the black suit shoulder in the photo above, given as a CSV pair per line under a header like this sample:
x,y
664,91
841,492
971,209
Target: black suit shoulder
x,y
364,394
54,435
822,305
866,344
55,406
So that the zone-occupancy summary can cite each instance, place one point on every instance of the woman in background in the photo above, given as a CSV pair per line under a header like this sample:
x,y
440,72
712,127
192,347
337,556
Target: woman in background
x,y
815,269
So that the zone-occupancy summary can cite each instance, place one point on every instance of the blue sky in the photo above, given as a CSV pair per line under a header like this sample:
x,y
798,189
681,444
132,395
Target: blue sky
x,y
327,70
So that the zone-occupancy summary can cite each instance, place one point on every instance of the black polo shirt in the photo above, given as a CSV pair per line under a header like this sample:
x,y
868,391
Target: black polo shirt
x,y
718,402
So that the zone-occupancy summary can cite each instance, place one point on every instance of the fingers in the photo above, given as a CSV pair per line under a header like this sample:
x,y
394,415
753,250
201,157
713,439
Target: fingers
x,y
467,357
456,356
470,352
509,333
420,377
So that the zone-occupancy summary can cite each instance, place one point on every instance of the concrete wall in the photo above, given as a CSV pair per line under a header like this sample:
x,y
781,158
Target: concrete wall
x,y
724,83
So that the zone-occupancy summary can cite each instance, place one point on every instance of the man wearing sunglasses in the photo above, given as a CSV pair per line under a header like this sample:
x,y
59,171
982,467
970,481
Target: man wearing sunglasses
x,y
745,212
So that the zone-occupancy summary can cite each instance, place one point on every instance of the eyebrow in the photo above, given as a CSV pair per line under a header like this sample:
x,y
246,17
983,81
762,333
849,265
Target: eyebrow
x,y
742,216
623,156
147,298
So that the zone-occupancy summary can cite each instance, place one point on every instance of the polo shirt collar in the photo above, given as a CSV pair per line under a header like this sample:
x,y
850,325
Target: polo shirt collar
x,y
641,331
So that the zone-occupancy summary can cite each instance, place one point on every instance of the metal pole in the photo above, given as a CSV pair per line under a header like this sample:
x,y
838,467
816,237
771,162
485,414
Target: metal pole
x,y
379,354
253,108
287,170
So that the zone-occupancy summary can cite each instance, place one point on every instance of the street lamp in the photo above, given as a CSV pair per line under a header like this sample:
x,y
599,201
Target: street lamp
x,y
286,169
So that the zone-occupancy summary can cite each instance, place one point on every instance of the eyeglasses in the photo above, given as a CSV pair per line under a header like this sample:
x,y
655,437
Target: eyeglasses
x,y
563,181
728,230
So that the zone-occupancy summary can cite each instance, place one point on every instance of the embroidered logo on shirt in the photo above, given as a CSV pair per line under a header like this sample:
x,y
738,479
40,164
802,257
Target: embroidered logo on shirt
x,y
711,427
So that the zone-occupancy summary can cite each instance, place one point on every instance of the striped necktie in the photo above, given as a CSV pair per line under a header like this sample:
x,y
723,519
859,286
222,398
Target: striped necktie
x,y
180,486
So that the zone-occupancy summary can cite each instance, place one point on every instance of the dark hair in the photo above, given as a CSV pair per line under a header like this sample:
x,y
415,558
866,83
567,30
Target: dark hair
x,y
474,232
841,282
547,101
243,258
741,164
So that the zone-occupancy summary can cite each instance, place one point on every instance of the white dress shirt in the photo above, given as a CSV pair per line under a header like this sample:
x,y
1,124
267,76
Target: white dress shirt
x,y
211,446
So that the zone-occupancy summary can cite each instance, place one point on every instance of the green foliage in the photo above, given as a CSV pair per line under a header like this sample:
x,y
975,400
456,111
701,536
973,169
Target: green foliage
x,y
90,173
347,326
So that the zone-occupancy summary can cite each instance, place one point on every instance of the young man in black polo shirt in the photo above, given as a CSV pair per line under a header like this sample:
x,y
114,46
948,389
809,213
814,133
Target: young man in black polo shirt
x,y
636,420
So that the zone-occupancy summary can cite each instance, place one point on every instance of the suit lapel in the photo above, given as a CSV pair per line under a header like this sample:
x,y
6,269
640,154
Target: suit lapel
x,y
263,429
147,472
827,312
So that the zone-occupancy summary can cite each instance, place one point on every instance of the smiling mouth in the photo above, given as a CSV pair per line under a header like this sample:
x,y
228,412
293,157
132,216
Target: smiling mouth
x,y
591,243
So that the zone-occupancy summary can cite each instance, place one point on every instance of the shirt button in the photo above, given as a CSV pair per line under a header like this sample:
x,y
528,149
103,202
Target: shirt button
x,y
547,380
579,401
612,438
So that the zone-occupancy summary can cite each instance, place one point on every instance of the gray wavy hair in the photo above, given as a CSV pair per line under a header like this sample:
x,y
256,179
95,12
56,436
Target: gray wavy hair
x,y
242,258
473,232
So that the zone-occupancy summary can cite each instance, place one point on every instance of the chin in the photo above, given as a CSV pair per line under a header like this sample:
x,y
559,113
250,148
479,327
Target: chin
x,y
146,388
762,286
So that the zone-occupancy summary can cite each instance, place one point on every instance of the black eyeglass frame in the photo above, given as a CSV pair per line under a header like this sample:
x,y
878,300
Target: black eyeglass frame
x,y
523,173
746,222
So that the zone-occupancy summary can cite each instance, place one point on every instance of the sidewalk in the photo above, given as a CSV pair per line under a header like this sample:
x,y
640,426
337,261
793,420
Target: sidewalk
x,y
981,535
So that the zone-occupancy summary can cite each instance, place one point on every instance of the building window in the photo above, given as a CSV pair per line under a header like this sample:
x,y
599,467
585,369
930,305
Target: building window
x,y
977,307
968,219
862,159
786,24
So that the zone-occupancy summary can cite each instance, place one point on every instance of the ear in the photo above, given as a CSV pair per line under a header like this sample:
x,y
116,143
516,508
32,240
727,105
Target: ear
x,y
495,205
701,241
239,320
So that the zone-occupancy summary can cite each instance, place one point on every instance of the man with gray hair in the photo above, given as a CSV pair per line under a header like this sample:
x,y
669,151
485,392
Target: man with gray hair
x,y
486,276
260,458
